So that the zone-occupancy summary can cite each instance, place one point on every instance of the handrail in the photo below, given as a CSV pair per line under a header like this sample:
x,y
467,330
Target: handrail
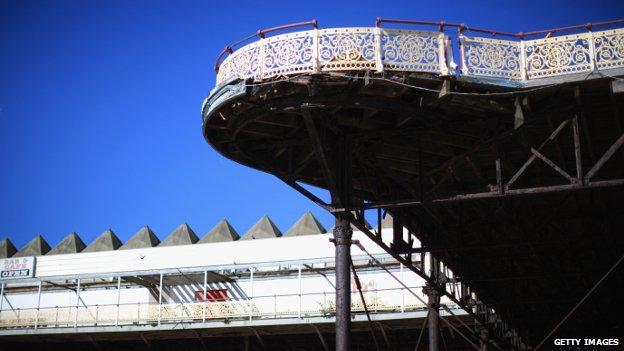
x,y
261,33
440,24
423,51
313,23
265,306
589,26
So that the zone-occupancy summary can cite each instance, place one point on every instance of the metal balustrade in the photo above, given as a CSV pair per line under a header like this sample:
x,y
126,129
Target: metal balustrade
x,y
397,50
316,304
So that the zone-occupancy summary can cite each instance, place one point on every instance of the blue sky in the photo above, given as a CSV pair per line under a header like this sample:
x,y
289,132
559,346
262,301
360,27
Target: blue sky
x,y
100,120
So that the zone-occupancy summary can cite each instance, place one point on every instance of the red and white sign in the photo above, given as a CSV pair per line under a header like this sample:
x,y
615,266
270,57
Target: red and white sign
x,y
16,268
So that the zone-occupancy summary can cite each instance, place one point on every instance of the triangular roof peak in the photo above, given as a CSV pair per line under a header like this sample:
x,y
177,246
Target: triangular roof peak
x,y
306,225
222,231
387,221
70,244
7,249
182,235
264,228
145,237
107,241
36,247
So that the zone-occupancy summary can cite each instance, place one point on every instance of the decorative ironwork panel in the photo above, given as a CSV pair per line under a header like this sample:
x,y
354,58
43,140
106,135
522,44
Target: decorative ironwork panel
x,y
243,63
493,58
288,54
408,50
558,55
345,49
609,48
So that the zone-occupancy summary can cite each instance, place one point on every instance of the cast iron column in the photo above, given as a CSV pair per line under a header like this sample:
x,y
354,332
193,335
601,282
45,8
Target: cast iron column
x,y
342,240
433,302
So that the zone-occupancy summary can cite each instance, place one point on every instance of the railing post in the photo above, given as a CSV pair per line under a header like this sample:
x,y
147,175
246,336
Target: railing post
x,y
315,51
378,51
261,61
592,50
138,312
204,297
402,272
97,312
56,316
462,57
523,61
251,282
160,298
299,278
118,299
77,303
1,299
38,305
442,54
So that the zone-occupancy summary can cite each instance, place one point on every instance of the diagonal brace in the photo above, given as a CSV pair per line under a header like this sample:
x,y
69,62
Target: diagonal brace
x,y
607,155
318,150
553,165
552,136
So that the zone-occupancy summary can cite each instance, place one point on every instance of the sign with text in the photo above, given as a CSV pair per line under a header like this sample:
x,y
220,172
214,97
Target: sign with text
x,y
16,268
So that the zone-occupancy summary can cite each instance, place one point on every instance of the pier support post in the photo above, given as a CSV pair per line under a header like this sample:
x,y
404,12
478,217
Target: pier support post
x,y
433,302
342,240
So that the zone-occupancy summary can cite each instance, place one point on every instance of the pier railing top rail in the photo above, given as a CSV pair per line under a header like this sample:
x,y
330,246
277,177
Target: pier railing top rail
x,y
517,57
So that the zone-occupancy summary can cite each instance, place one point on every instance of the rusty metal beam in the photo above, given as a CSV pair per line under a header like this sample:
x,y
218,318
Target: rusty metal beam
x,y
492,195
552,136
605,157
552,165
318,149
321,337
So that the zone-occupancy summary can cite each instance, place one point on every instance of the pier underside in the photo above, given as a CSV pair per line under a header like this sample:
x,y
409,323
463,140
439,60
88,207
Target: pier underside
x,y
517,190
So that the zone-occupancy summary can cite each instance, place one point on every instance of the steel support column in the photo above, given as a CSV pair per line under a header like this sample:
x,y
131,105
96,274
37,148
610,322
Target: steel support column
x,y
342,240
433,302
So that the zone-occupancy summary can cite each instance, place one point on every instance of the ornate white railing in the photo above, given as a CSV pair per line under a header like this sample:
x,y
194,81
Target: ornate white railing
x,y
540,58
339,49
379,49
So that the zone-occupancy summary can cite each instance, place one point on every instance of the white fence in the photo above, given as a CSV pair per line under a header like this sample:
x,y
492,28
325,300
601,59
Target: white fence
x,y
339,49
258,307
379,49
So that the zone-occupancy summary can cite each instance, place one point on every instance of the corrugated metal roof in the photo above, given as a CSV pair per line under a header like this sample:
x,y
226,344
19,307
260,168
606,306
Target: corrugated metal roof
x,y
145,237
221,232
7,249
36,247
306,225
182,235
70,244
107,241
264,228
